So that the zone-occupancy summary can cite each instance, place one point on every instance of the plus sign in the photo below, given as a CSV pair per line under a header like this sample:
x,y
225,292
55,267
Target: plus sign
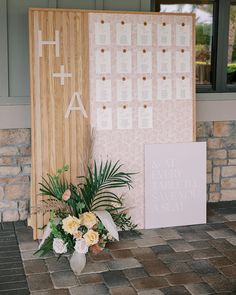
x,y
62,75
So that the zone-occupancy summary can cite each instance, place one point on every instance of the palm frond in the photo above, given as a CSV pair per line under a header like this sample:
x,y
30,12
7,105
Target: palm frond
x,y
54,186
95,188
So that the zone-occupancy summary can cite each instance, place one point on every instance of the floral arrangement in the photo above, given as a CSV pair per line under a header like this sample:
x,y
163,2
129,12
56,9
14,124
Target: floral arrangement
x,y
84,217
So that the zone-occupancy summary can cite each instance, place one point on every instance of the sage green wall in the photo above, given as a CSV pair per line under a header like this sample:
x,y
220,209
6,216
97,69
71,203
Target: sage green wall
x,y
14,65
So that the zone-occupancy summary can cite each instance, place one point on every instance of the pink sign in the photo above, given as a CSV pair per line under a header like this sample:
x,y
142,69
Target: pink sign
x,y
175,184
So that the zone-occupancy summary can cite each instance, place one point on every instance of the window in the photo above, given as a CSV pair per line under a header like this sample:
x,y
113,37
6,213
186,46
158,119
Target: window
x,y
231,62
215,41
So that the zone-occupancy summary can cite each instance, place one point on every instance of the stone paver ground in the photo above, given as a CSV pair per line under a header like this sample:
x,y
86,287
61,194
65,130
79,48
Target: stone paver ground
x,y
198,259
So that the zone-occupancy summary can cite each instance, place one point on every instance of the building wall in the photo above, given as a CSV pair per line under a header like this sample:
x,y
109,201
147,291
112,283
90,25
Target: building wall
x,y
215,112
15,164
14,65
221,158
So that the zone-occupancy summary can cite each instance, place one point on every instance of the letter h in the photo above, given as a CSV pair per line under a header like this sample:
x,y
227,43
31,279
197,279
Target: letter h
x,y
43,42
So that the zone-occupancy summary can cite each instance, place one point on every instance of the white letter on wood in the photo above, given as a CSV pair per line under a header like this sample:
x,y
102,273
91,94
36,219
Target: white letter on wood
x,y
62,75
43,42
80,108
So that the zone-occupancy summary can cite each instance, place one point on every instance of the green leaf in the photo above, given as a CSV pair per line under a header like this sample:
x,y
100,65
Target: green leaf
x,y
80,207
46,247
95,188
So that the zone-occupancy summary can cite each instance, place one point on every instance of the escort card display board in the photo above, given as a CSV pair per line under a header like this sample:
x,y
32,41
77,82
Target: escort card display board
x,y
175,184
59,97
141,89
131,73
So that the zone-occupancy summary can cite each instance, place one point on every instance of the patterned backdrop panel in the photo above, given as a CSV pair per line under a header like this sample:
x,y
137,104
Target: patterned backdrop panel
x,y
141,89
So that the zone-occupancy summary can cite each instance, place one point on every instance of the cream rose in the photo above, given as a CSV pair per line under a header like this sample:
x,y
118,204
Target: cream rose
x,y
88,219
70,224
91,237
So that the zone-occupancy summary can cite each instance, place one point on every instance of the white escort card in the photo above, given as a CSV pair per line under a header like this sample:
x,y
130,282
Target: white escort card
x,y
124,61
183,61
104,118
175,184
123,34
102,33
145,118
164,37
144,86
144,34
164,61
144,62
183,88
103,61
182,35
124,89
103,89
164,89
124,118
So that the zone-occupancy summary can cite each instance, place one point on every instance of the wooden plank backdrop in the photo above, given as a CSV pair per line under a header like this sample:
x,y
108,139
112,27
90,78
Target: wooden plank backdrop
x,y
58,47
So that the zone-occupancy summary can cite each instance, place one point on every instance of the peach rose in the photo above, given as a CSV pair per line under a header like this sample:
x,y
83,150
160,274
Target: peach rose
x,y
78,235
66,195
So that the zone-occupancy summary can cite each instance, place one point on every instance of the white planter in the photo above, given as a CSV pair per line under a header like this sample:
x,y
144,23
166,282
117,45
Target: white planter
x,y
77,262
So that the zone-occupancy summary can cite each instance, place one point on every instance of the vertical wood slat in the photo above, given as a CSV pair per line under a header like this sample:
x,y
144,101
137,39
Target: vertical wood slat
x,y
72,32
56,141
4,86
67,135
87,140
36,143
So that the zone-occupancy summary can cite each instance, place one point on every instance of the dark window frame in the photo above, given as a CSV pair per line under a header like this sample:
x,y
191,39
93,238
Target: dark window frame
x,y
219,56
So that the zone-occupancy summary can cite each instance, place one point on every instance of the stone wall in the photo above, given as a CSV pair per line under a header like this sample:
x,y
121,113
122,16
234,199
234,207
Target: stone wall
x,y
15,165
221,158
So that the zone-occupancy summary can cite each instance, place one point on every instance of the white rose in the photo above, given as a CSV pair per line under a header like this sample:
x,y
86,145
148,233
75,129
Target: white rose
x,y
81,246
59,246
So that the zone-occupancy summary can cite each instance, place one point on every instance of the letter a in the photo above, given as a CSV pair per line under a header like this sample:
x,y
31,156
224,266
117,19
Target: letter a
x,y
80,108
